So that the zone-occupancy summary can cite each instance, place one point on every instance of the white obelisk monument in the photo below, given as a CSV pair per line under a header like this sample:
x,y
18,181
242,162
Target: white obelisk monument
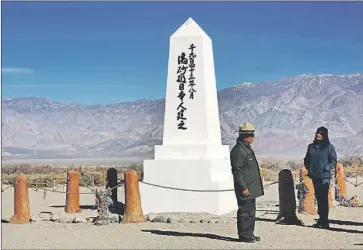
x,y
192,155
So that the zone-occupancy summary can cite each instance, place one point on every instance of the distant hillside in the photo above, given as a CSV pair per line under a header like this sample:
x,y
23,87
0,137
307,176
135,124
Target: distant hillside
x,y
286,113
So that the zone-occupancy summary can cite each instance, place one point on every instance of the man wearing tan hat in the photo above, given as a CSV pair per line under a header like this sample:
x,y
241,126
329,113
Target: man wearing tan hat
x,y
247,182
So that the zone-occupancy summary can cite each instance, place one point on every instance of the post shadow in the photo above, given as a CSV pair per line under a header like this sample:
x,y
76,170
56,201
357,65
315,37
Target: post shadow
x,y
347,223
183,234
86,207
352,231
261,219
265,219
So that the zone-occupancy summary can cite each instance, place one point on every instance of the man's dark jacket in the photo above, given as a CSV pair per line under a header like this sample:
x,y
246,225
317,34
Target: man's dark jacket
x,y
246,172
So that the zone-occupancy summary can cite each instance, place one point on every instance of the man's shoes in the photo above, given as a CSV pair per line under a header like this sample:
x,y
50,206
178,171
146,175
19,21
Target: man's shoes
x,y
257,238
247,239
321,225
317,225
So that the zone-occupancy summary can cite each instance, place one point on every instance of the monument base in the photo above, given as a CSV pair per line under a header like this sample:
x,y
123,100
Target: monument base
x,y
195,174
211,152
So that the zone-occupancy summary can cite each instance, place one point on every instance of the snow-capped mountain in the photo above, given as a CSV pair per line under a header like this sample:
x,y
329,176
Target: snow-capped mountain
x,y
286,113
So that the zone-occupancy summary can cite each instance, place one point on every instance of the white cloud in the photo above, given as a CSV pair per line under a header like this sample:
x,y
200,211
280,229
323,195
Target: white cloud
x,y
16,70
73,85
25,85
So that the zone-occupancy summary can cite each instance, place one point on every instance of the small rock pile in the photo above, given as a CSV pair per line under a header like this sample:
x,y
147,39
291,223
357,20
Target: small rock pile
x,y
187,218
69,218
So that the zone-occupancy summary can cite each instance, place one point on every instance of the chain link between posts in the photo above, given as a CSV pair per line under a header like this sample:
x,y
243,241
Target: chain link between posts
x,y
55,190
155,185
146,183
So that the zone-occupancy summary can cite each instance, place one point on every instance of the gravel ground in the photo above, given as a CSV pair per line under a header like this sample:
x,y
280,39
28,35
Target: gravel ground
x,y
346,231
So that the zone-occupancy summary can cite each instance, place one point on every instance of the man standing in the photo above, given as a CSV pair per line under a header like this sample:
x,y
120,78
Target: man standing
x,y
247,182
319,161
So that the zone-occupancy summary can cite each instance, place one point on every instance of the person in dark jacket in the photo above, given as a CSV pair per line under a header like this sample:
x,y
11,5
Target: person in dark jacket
x,y
319,161
247,182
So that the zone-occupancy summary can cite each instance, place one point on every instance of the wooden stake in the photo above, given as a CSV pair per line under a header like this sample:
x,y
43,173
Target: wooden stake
x,y
21,201
133,212
72,195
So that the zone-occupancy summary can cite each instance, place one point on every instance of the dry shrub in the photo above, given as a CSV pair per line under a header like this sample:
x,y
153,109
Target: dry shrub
x,y
268,174
294,166
271,164
352,164
46,182
352,160
28,169
86,179
137,167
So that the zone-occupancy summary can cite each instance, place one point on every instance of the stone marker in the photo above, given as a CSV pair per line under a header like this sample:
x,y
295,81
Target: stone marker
x,y
112,181
191,155
72,195
287,200
21,201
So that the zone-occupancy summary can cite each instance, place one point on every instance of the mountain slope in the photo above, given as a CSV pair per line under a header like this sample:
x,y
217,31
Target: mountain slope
x,y
286,113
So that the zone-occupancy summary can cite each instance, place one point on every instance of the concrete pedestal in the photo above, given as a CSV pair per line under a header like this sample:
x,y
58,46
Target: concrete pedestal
x,y
197,174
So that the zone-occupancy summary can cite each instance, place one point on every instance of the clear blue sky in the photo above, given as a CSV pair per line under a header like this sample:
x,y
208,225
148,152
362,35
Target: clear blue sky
x,y
107,52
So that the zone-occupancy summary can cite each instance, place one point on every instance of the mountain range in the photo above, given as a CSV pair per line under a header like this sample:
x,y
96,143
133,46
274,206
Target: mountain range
x,y
286,113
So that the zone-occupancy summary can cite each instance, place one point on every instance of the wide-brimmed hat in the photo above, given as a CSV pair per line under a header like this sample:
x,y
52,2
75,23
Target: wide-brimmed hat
x,y
246,128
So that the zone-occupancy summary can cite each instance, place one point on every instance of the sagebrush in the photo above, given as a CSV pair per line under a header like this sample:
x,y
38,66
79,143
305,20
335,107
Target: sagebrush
x,y
51,175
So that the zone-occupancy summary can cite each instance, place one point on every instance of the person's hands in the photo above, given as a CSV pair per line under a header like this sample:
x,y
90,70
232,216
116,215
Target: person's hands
x,y
245,192
327,168
304,171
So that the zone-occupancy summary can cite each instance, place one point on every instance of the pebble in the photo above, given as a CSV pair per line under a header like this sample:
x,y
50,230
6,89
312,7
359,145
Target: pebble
x,y
161,219
151,216
54,217
35,218
171,220
79,218
66,218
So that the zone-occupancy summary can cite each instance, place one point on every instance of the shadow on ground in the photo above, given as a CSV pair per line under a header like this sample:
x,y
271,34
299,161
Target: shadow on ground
x,y
345,230
200,235
91,207
338,222
265,219
347,223
119,208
